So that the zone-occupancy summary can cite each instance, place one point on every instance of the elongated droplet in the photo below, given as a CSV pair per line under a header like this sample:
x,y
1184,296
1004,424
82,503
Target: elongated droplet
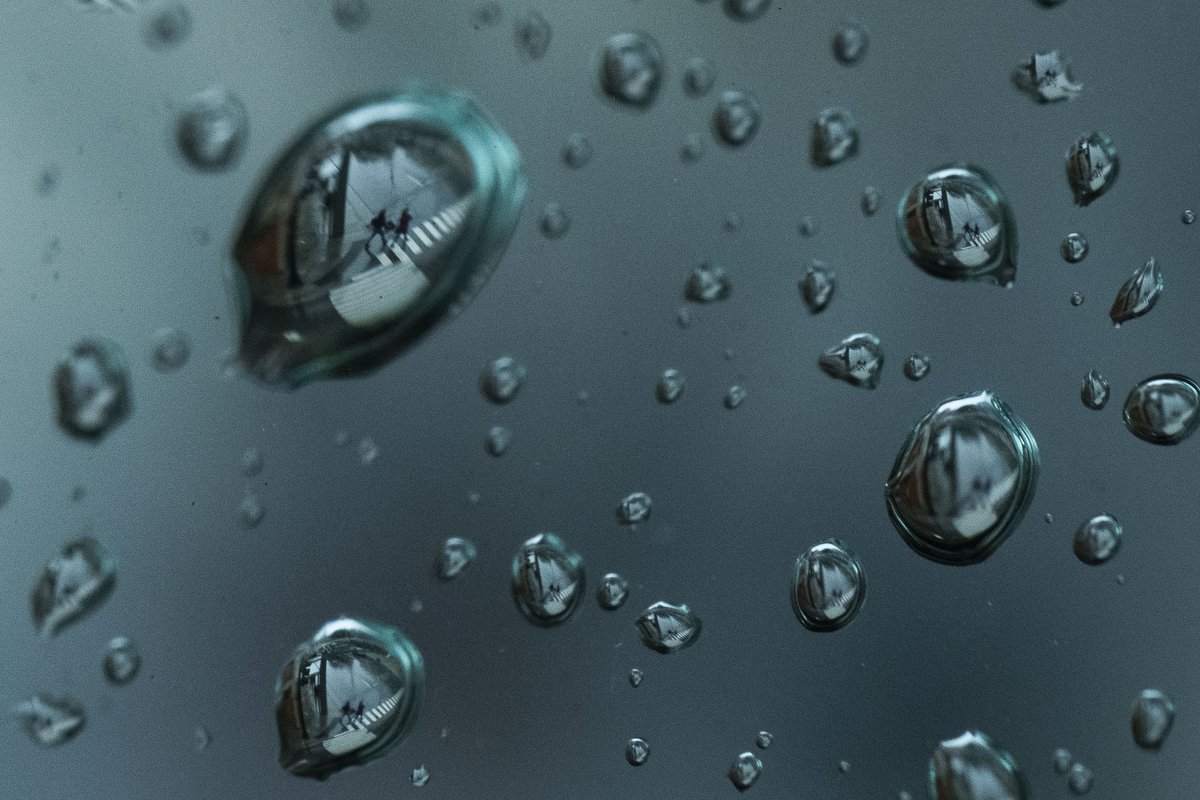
x,y
963,479
857,360
91,385
1164,409
1153,716
211,130
956,224
1098,539
631,68
636,677
73,584
744,771
346,696
972,767
828,587
1094,390
548,579
737,117
50,720
668,628
835,137
1092,166
1047,77
1138,294
817,286
455,556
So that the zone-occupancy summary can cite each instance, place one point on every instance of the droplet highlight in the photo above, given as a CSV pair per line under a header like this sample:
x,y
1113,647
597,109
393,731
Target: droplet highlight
x,y
455,555
612,593
634,508
835,137
122,660
737,117
1098,539
1093,390
211,130
1163,409
857,360
668,628
828,586
502,379
972,767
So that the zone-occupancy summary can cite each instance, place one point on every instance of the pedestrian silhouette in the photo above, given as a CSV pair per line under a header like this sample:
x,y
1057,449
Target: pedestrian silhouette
x,y
402,225
379,225
358,713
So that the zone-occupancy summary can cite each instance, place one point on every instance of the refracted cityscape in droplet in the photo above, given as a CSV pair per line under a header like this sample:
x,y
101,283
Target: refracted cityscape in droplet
x,y
828,587
973,767
548,579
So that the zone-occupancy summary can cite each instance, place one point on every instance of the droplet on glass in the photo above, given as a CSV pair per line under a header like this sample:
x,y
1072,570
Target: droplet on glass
x,y
420,776
808,226
211,130
455,556
170,349
631,68
1076,298
167,27
698,76
498,439
670,386
577,151
1139,294
250,511
857,360
1098,539
1094,390
1079,779
346,696
351,15
844,767
343,263
637,751
368,451
692,149
532,33
1092,166
956,224
50,720
554,221
635,677
251,462
6,491
916,366
668,628
850,43
734,396
746,10
764,740
73,584
744,771
1047,77
817,286
707,284
1188,216
548,579
634,508
201,739
963,479
835,136
486,14
121,660
737,117
502,379
828,586
1074,248
612,592
871,198
972,767
1063,760
1163,409
91,384
1153,716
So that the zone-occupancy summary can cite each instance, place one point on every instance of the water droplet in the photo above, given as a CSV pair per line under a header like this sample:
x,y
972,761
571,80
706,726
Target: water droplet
x,y
341,265
692,149
73,584
532,33
612,592
746,9
698,77
548,579
577,152
956,224
683,317
170,349
346,696
252,462
1098,539
455,556
635,677
737,117
857,360
828,587
167,27
916,367
211,130
92,388
1079,779
368,451
733,221
631,68
121,660
905,796
1074,248
1094,390
972,767
871,198
707,284
201,739
817,286
744,771
1163,409
351,15
1076,298
963,479
667,628
250,511
420,776
844,767
498,439
1188,216
808,226
734,396
1063,761
487,14
1049,518
634,509
554,221
341,439
50,720
764,739
637,751
1047,77
835,136
1153,716
850,43
502,379
1139,294
1092,166
670,386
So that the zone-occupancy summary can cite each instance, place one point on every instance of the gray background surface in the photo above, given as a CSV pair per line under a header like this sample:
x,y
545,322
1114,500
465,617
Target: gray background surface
x,y
1031,646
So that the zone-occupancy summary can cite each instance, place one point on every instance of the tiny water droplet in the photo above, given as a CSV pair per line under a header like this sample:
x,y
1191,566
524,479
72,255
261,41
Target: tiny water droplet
x,y
635,677
1077,298
1094,390
764,739
670,386
211,130
1139,294
708,284
1092,166
532,33
835,137
250,511
577,151
744,771
498,439
50,720
972,767
857,360
1079,779
201,739
368,451
631,68
1188,216
502,379
612,592
92,387
828,586
746,10
72,584
121,660
637,751
1163,409
554,221
252,462
170,349
850,43
420,776
1063,760
455,556
916,367
1074,248
692,149
668,628
733,221
486,14
634,508
1153,716
734,396
683,317
817,286
737,117
1047,77
844,767
351,15
808,226
871,198
1098,539
1049,518
548,579
6,491
698,77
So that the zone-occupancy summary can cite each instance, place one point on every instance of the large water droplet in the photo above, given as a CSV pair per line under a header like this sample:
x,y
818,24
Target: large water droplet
x,y
817,286
634,508
1098,539
972,767
857,360
612,592
455,556
670,386
1094,390
548,579
835,136
737,117
384,217
1163,409
698,76
72,584
50,720
707,284
637,751
744,771
850,43
668,628
347,695
1139,294
122,660
502,379
956,224
1092,166
91,384
828,587
963,479
1047,76
1153,716
631,68
1074,248
211,130
532,33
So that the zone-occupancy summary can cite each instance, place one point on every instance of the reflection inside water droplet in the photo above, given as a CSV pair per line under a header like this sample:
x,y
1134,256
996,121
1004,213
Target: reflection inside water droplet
x,y
972,767
73,584
828,586
1092,166
50,720
631,68
1164,409
668,628
548,579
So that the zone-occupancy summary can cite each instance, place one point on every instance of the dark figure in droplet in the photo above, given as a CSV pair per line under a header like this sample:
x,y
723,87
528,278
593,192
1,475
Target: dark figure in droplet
x,y
358,712
379,226
402,225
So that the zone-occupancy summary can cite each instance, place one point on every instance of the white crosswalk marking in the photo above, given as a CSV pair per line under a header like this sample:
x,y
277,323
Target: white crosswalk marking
x,y
421,235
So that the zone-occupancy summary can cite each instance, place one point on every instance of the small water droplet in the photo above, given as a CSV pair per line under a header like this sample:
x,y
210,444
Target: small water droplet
x,y
692,149
871,198
1079,779
916,367
1153,716
631,68
744,771
850,43
341,438
346,696
1188,216
532,33
498,439
1063,760
635,677
844,767
817,286
857,360
828,586
502,379
808,226
168,27
548,579
634,508
170,349
764,739
746,10
1094,390
835,137
455,556
698,77
252,462
368,451
668,628
972,767
612,592
351,15
1092,166
637,751
1049,518
577,151
554,221
211,130
50,720
963,479
72,584
707,284
1098,539
737,117
1074,248
250,511
956,224
1163,409
734,396
905,796
683,317
1076,298
121,660
1047,77
92,387
1139,294
486,14
201,739
48,179
6,491
420,776
670,386
733,221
